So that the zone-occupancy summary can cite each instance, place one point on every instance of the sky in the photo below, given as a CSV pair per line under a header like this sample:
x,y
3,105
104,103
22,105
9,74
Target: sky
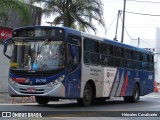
x,y
142,26
136,25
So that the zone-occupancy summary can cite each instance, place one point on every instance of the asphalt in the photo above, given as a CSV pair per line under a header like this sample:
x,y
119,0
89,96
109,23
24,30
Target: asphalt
x,y
5,98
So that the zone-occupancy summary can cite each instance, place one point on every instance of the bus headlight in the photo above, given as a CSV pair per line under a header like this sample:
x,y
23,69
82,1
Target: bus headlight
x,y
57,81
11,81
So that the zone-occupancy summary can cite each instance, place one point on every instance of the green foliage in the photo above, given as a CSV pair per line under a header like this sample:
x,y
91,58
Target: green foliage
x,y
4,17
79,14
15,6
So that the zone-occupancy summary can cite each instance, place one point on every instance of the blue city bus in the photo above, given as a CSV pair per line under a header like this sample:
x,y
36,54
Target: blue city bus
x,y
53,63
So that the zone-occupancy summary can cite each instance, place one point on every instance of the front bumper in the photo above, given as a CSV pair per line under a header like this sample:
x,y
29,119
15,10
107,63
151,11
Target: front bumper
x,y
36,90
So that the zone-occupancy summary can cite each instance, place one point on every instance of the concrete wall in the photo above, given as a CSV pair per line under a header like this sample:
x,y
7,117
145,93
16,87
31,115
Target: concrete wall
x,y
4,66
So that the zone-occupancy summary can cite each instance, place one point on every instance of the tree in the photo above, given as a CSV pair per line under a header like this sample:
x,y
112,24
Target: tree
x,y
79,14
15,6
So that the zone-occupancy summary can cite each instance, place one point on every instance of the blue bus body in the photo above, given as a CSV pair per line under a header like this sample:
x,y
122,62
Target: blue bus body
x,y
69,81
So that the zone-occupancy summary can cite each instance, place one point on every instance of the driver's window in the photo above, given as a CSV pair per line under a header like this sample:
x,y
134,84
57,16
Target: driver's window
x,y
73,54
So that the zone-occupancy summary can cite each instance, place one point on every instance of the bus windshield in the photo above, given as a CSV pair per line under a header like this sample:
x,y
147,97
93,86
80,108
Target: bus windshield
x,y
38,55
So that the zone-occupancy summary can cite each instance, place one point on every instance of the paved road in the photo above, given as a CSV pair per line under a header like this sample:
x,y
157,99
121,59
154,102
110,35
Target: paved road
x,y
67,108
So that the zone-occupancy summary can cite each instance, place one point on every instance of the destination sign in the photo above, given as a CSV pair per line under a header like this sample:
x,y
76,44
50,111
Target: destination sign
x,y
38,32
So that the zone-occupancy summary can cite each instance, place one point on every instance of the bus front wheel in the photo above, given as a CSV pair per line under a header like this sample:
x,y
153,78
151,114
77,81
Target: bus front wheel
x,y
135,97
87,96
41,100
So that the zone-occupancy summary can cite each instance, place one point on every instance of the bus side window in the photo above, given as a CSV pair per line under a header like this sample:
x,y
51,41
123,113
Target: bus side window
x,y
118,51
137,60
106,51
118,56
151,61
91,51
145,63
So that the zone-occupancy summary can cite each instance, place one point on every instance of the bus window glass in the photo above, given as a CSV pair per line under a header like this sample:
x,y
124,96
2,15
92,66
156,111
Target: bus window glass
x,y
106,60
118,51
106,49
118,62
128,54
137,55
151,67
151,58
91,52
94,58
144,57
138,65
87,58
129,64
91,45
145,66
38,55
73,54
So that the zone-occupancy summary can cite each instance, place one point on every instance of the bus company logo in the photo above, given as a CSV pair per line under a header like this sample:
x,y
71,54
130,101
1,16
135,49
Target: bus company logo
x,y
109,74
28,81
5,34
2,34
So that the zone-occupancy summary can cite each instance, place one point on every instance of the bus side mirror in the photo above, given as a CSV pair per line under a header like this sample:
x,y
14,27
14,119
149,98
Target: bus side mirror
x,y
5,47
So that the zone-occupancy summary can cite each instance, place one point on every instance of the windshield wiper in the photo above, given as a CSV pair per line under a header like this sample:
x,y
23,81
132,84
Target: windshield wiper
x,y
39,51
44,43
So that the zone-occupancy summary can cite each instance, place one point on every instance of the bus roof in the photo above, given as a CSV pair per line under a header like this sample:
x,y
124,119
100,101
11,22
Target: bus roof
x,y
83,34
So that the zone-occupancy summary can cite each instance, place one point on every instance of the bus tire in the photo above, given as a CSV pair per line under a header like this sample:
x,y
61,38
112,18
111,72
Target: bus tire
x,y
87,96
41,100
135,97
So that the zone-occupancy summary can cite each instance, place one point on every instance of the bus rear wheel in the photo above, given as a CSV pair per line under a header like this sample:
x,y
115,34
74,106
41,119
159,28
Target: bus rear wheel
x,y
87,96
41,100
135,97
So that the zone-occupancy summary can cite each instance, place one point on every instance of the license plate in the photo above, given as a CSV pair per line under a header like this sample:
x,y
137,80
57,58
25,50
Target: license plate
x,y
30,90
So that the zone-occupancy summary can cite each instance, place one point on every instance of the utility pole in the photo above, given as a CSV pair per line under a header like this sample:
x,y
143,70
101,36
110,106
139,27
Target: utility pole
x,y
119,14
124,9
138,41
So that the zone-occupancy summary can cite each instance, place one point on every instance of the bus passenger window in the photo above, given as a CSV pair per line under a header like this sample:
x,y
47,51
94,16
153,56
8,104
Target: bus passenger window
x,y
151,59
151,67
137,55
94,58
129,64
144,57
91,51
118,62
128,54
138,65
106,60
145,65
118,51
87,58
106,49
